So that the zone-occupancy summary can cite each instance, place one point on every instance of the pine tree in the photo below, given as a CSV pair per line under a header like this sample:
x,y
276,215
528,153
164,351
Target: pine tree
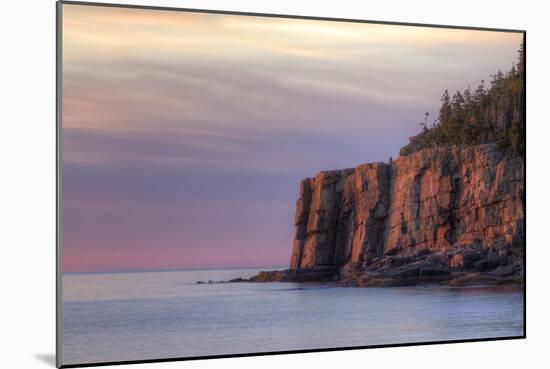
x,y
493,115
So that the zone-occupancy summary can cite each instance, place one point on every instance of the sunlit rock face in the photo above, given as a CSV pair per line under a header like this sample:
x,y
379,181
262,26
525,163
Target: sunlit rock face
x,y
449,210
340,217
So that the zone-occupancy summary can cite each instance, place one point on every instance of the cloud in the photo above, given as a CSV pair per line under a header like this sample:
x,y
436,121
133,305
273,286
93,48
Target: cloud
x,y
185,135
139,33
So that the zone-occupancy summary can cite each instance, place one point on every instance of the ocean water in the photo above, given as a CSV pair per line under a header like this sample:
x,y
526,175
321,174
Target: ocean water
x,y
153,315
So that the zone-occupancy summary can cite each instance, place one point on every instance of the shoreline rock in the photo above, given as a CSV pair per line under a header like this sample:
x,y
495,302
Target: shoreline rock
x,y
302,275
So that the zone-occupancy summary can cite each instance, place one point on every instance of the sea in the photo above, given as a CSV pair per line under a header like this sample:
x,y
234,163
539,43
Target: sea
x,y
130,316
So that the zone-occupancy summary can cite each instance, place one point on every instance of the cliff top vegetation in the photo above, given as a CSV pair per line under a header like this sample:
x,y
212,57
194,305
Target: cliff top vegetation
x,y
486,115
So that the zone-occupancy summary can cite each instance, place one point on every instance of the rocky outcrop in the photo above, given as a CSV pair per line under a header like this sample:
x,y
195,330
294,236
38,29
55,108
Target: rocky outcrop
x,y
452,214
316,274
340,217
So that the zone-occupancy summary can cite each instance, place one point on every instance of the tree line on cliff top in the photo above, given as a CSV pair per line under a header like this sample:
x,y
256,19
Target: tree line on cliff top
x,y
486,115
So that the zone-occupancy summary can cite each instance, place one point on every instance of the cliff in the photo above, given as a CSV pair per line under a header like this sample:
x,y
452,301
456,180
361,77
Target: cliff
x,y
448,215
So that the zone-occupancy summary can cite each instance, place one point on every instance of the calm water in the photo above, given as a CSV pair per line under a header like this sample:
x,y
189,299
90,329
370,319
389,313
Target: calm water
x,y
133,316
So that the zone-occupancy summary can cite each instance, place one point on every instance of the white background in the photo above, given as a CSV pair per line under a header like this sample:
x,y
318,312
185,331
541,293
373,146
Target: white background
x,y
27,182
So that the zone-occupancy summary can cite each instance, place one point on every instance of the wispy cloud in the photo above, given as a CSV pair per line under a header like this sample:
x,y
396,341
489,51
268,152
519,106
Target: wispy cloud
x,y
186,134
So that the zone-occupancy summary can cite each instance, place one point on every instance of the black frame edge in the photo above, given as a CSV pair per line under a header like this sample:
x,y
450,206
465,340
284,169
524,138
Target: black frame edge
x,y
58,182
290,16
307,351
525,185
58,168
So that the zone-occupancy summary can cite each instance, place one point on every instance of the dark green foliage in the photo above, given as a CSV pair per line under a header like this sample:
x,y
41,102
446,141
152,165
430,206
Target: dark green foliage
x,y
493,115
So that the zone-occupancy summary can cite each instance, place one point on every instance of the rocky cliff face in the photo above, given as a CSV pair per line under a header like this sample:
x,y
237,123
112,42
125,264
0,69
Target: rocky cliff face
x,y
340,217
447,214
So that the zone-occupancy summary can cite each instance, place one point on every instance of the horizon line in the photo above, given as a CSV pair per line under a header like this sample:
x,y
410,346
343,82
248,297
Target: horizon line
x,y
183,269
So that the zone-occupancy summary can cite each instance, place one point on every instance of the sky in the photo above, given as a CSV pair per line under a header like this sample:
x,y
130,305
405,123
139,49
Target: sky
x,y
185,135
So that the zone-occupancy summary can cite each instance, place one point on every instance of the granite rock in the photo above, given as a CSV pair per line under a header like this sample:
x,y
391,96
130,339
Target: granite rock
x,y
433,216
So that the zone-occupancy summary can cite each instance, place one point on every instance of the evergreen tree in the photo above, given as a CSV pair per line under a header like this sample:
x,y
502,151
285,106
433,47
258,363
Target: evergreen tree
x,y
493,115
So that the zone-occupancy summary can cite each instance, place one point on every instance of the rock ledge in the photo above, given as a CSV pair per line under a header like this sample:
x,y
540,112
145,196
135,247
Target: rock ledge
x,y
452,215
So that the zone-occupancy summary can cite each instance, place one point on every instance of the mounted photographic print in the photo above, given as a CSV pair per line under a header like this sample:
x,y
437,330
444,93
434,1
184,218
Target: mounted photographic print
x,y
239,184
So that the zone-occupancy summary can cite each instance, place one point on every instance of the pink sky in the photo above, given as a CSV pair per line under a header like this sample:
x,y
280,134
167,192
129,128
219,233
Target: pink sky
x,y
185,135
